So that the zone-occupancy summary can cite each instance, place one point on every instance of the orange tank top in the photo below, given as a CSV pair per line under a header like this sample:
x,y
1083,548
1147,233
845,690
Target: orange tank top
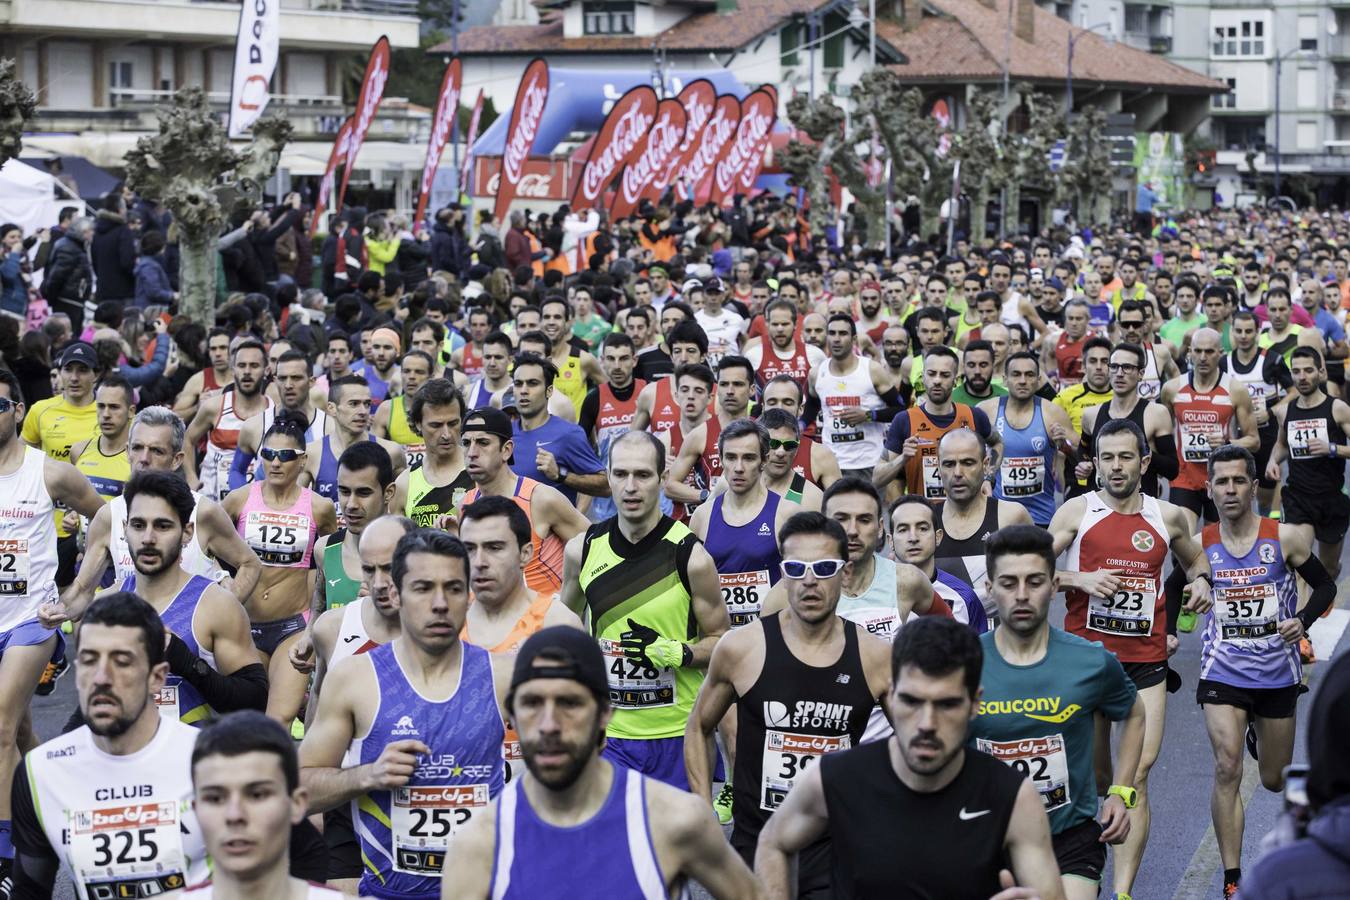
x,y
543,574
921,472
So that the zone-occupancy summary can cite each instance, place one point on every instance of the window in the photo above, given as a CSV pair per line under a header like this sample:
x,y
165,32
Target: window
x,y
833,47
1243,134
1136,19
1305,135
788,41
607,17
1307,32
119,81
1228,100
1244,38
1307,88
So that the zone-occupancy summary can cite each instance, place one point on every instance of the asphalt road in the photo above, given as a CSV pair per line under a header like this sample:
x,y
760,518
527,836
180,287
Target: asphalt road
x,y
1182,859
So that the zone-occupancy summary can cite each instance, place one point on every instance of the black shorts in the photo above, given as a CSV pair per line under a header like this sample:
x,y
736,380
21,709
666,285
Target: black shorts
x,y
1328,514
344,851
1264,703
814,866
1197,502
268,636
1145,674
1080,851
1269,435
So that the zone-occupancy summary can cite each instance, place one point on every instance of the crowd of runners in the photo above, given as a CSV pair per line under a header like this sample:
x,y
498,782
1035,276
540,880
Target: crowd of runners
x,y
675,559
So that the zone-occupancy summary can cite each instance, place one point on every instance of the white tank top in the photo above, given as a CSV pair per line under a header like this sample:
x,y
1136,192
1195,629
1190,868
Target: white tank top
x,y
27,541
194,560
316,430
1264,393
1011,313
220,443
352,635
123,826
1150,382
855,446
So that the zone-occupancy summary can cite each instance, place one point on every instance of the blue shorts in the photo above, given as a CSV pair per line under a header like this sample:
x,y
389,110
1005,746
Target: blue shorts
x,y
28,633
659,758
267,636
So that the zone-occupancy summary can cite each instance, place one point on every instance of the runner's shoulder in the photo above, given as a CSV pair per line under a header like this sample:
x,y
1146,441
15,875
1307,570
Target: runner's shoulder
x,y
1073,648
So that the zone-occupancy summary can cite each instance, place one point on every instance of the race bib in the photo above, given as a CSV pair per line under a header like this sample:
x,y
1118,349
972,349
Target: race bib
x,y
632,683
743,593
135,850
1247,611
1042,760
279,539
932,484
166,700
787,756
14,567
1303,432
425,818
1022,476
1195,442
840,431
414,453
511,752
1128,612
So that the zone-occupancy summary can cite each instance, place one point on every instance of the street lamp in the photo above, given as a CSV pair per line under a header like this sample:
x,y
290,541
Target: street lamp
x,y
1279,68
1068,78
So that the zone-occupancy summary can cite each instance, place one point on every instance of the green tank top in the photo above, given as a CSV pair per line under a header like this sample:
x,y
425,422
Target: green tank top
x,y
338,588
647,582
425,504
795,488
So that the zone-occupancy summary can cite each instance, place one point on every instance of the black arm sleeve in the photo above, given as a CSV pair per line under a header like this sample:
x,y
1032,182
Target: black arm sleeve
x,y
35,862
244,689
894,405
1165,462
589,412
1323,590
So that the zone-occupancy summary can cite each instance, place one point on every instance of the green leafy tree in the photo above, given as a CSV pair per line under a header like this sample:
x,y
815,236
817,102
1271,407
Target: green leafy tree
x,y
1086,174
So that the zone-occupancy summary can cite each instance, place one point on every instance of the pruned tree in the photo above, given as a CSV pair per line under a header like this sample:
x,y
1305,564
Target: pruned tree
x,y
977,148
1086,172
1025,157
17,106
191,167
810,165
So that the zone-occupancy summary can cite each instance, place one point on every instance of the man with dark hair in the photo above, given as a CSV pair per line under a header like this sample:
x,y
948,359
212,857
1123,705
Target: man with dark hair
x,y
293,382
979,382
209,380
735,383
221,417
495,380
1125,367
103,457
781,350
574,368
1068,680
349,414
365,487
780,475
657,409
963,819
551,451
915,531
1268,381
692,398
608,409
430,492
410,733
857,397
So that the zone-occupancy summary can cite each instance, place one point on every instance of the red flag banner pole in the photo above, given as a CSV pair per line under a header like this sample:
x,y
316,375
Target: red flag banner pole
x,y
713,144
469,138
367,103
327,183
662,144
754,162
526,114
621,137
447,107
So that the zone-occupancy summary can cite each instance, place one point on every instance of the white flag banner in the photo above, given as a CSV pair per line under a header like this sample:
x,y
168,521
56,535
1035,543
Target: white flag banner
x,y
255,58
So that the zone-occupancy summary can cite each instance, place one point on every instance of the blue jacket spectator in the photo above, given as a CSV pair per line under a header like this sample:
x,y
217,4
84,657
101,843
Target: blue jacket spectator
x,y
449,247
109,349
113,252
13,288
152,281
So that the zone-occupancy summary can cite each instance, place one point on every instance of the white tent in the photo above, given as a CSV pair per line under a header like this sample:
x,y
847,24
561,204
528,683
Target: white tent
x,y
28,197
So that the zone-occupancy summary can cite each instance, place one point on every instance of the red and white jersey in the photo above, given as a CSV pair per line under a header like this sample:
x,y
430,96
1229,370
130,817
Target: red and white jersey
x,y
1198,413
471,361
614,416
1133,623
1069,359
220,443
771,365
665,411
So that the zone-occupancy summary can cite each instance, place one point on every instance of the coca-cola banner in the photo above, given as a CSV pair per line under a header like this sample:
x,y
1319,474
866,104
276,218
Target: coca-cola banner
x,y
758,113
447,107
469,137
755,152
335,157
531,97
712,144
367,102
698,99
620,139
542,178
662,144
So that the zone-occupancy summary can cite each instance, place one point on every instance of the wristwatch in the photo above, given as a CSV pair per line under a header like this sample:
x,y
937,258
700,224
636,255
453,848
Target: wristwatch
x,y
563,472
686,656
703,496
1127,794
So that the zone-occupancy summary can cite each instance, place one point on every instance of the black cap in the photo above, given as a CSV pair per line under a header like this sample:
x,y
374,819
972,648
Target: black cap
x,y
570,653
493,421
714,285
78,352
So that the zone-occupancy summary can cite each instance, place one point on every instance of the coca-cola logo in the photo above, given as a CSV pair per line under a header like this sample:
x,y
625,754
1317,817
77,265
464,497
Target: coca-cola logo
x,y
698,100
756,120
532,184
372,91
440,130
530,106
715,135
663,140
631,121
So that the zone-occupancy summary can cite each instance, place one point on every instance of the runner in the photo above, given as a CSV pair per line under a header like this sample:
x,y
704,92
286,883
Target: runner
x,y
968,824
608,410
469,358
492,385
1094,389
1064,354
781,351
803,681
1041,689
657,409
575,369
349,408
504,611
215,377
857,398
488,446
103,458
978,377
1250,673
540,839
1127,361
735,381
72,793
553,451
1117,539
365,487
649,590
813,460
410,733
785,440
246,792
433,490
280,520
1266,376
219,419
1159,367
381,372
391,419
293,383
1036,436
914,539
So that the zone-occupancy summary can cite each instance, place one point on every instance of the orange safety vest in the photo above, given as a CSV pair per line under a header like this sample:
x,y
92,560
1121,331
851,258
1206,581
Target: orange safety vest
x,y
535,246
662,249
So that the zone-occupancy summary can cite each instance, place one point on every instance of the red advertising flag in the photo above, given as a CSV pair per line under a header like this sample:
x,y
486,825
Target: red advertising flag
x,y
712,144
526,114
447,107
758,113
470,136
326,184
620,139
698,99
367,102
662,144
745,181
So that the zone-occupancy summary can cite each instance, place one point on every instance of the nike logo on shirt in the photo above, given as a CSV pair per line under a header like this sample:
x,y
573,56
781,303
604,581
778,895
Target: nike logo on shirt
x,y
967,816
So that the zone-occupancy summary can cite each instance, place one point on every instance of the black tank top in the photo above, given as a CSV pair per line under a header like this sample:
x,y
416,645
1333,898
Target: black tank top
x,y
892,843
956,556
1313,476
792,715
1148,484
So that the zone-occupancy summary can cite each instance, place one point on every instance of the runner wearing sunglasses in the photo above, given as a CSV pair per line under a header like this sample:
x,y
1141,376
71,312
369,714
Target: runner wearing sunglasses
x,y
1125,368
785,439
280,520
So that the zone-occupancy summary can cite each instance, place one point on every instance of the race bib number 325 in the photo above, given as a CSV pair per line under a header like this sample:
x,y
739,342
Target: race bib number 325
x,y
127,851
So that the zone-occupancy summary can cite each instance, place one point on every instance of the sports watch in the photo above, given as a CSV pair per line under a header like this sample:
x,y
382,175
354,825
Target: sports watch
x,y
1128,795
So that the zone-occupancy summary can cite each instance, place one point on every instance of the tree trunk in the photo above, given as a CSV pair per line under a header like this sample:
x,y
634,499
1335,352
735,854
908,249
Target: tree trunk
x,y
1013,200
197,279
979,214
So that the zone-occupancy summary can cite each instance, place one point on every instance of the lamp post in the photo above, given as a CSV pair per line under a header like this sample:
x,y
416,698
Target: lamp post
x,y
1279,70
1068,77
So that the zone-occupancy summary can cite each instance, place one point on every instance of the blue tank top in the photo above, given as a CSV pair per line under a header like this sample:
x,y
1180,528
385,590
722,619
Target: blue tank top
x,y
539,861
965,603
178,699
379,388
325,485
746,557
404,833
1026,474
1241,645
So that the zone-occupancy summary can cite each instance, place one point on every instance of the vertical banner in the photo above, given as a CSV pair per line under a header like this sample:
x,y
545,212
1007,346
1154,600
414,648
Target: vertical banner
x,y
759,111
759,149
698,99
619,140
367,102
470,136
528,111
712,144
255,58
662,144
327,183
447,107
